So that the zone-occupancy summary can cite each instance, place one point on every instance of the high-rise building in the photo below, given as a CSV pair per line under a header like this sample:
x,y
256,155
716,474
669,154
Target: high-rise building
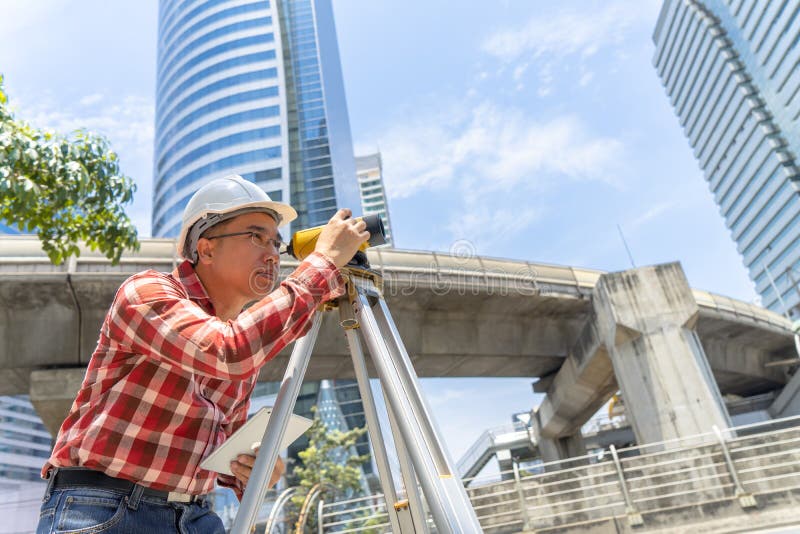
x,y
373,193
25,446
25,443
731,69
253,88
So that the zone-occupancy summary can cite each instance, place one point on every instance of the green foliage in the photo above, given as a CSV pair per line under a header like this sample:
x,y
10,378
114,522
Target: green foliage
x,y
327,462
68,189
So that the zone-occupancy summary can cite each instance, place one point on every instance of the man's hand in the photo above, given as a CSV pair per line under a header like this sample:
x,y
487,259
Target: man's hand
x,y
243,466
341,237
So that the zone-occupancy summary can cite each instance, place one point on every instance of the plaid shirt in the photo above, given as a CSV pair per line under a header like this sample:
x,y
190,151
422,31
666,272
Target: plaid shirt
x,y
169,381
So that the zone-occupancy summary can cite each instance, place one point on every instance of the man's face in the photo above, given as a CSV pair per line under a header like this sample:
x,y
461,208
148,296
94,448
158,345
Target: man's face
x,y
246,264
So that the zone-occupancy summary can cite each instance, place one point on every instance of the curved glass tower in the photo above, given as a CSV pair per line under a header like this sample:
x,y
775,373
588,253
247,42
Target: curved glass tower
x,y
731,69
253,88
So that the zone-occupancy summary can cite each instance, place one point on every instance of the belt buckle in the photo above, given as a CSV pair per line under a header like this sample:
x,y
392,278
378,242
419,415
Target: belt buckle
x,y
176,496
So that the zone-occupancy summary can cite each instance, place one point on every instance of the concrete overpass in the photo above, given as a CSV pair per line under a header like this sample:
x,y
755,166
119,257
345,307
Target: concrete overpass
x,y
459,317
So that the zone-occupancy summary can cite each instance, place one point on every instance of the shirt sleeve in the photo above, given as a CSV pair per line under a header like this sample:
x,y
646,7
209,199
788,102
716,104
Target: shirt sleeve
x,y
153,316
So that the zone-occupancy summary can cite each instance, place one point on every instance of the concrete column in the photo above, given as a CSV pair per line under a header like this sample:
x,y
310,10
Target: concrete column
x,y
788,402
505,463
52,393
646,319
557,448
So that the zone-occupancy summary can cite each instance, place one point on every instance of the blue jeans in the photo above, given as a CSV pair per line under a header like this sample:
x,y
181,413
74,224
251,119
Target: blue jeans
x,y
96,510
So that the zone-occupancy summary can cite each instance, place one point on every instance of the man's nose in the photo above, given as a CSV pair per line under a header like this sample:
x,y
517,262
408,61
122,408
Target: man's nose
x,y
272,255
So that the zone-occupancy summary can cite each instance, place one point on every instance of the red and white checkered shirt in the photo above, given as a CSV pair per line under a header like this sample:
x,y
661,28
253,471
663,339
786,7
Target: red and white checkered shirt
x,y
169,381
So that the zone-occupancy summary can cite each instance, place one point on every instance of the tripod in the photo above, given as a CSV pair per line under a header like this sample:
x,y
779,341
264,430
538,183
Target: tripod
x,y
420,449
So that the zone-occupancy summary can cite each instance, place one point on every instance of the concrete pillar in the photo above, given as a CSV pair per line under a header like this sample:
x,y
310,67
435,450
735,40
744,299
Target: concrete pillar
x,y
52,392
557,448
646,319
788,402
506,463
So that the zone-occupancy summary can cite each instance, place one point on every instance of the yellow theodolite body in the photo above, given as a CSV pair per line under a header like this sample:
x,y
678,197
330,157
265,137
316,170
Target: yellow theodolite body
x,y
304,241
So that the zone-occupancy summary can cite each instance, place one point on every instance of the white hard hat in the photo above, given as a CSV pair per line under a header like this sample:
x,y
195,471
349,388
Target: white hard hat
x,y
220,200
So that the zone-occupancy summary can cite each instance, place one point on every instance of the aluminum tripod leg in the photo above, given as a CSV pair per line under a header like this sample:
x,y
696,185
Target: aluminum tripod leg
x,y
415,507
452,512
276,428
349,324
454,486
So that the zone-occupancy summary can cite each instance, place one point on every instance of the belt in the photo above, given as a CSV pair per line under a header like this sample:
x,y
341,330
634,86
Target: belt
x,y
72,477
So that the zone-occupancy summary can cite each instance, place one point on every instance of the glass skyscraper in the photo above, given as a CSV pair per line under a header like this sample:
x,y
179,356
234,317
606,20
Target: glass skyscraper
x,y
731,69
373,193
253,88
25,446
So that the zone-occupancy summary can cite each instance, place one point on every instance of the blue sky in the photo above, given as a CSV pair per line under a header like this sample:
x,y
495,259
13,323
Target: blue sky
x,y
530,129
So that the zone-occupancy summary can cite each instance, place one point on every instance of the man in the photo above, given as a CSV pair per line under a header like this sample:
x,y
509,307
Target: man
x,y
176,362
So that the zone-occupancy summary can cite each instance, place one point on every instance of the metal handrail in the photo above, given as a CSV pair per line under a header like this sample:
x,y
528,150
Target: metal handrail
x,y
762,445
580,488
374,496
651,488
764,468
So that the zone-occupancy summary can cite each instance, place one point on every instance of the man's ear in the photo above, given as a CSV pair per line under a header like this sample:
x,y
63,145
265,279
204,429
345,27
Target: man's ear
x,y
205,251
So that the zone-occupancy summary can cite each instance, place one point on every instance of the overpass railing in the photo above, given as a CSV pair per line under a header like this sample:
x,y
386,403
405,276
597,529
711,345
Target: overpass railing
x,y
734,469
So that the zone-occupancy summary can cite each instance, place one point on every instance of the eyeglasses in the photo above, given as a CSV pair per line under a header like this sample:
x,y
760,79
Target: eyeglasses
x,y
258,239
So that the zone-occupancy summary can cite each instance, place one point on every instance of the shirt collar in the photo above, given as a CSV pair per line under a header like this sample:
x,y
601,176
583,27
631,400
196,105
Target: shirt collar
x,y
187,276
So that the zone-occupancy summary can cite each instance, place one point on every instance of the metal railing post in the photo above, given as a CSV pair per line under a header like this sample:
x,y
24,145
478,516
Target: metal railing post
x,y
634,517
320,516
746,500
523,508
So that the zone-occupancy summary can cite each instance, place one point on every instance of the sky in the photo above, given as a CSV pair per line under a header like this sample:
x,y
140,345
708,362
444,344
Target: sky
x,y
526,129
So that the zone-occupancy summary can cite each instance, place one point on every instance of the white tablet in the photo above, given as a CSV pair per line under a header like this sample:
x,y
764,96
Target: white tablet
x,y
246,439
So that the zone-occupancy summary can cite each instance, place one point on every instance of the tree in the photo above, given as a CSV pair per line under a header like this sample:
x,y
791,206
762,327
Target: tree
x,y
329,465
68,189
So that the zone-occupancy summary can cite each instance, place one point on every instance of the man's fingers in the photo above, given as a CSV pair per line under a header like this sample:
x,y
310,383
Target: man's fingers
x,y
280,468
241,471
242,468
342,214
246,459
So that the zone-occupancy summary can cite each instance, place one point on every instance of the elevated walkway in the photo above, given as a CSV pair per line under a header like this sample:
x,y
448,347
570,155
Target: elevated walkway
x,y
514,437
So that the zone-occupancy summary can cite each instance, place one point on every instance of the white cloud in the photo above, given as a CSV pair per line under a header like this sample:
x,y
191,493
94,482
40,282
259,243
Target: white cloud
x,y
476,228
20,16
651,214
90,100
480,153
489,148
569,30
445,396
127,122
519,70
